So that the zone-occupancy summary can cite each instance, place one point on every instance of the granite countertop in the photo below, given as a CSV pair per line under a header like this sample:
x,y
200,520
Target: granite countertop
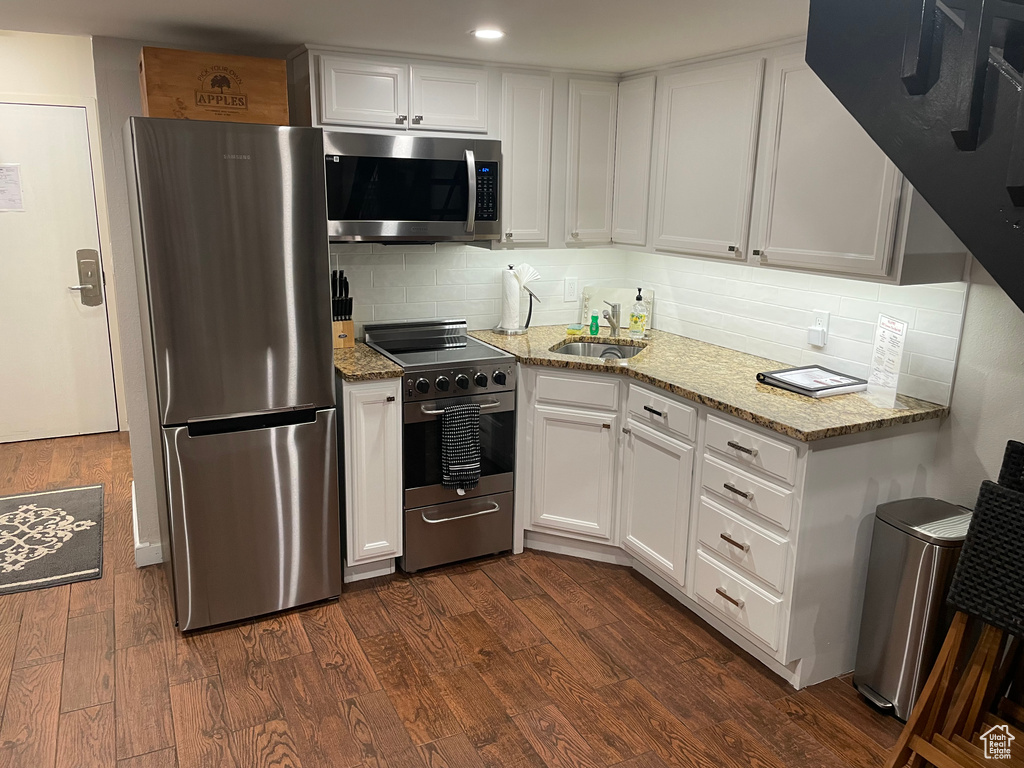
x,y
722,379
360,363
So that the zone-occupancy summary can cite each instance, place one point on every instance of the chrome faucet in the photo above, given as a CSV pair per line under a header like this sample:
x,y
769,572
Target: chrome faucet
x,y
613,318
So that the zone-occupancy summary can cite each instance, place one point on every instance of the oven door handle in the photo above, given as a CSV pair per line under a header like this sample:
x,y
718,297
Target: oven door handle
x,y
471,177
437,412
494,508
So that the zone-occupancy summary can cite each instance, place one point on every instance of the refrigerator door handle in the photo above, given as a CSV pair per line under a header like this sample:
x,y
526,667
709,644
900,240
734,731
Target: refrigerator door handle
x,y
246,422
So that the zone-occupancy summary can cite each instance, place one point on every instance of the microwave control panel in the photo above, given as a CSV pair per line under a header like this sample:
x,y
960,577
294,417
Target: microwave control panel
x,y
487,182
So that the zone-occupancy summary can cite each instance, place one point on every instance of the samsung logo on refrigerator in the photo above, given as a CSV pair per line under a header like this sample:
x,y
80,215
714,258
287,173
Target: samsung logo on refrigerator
x,y
237,157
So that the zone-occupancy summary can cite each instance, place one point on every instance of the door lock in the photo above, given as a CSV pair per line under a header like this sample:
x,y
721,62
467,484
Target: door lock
x,y
90,291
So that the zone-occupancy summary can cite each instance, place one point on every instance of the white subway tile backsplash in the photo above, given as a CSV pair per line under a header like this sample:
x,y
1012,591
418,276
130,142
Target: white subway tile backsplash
x,y
436,293
385,277
932,344
758,310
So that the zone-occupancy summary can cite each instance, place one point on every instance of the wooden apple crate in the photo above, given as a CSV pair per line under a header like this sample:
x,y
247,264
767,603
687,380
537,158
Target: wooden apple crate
x,y
190,85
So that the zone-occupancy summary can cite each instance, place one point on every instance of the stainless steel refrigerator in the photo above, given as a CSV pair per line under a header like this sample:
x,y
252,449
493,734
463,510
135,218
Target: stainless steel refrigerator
x,y
231,249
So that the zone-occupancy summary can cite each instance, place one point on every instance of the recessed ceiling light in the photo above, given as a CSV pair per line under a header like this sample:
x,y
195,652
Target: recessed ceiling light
x,y
488,34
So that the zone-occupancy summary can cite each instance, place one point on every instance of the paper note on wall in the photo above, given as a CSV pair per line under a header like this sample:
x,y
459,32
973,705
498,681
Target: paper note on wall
x,y
890,336
10,187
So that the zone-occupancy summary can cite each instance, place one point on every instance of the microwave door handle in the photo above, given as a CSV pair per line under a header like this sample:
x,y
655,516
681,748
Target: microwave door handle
x,y
471,176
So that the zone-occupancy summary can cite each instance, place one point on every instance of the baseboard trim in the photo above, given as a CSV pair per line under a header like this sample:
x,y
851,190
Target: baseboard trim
x,y
146,553
589,550
369,570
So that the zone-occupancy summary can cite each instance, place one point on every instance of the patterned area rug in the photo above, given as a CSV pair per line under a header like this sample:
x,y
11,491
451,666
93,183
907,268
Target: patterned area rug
x,y
51,538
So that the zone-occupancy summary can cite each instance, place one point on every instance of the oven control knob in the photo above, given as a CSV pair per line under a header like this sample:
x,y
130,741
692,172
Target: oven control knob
x,y
422,386
500,378
442,383
481,379
462,381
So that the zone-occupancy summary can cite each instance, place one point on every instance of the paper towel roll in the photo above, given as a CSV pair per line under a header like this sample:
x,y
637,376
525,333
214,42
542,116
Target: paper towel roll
x,y
510,291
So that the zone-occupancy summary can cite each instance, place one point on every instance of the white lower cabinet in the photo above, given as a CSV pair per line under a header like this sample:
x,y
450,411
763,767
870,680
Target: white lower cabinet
x,y
572,470
372,415
763,536
657,477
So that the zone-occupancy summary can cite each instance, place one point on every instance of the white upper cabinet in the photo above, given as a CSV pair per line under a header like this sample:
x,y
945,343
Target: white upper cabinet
x,y
397,96
633,129
448,99
591,151
829,196
526,156
357,92
708,123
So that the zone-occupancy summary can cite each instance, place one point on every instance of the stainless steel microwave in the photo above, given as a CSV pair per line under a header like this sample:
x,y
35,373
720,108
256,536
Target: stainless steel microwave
x,y
412,189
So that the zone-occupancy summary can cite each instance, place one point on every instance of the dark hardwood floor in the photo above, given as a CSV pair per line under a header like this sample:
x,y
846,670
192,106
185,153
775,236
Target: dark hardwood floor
x,y
517,661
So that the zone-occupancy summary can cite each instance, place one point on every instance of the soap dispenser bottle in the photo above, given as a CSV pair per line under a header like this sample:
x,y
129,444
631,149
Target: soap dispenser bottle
x,y
638,317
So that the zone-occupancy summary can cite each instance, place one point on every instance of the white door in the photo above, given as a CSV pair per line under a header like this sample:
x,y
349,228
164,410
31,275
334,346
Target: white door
x,y
633,130
448,99
588,212
829,196
56,376
526,154
706,157
564,441
657,475
357,92
373,470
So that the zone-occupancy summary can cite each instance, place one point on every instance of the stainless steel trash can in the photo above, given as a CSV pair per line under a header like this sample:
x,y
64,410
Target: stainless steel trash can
x,y
915,546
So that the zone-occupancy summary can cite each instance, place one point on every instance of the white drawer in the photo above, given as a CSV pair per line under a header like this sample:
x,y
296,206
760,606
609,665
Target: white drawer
x,y
662,412
742,544
586,391
747,447
746,492
738,601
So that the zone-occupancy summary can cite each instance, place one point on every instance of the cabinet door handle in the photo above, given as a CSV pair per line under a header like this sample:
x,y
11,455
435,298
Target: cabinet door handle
x,y
722,593
391,398
733,489
730,540
508,235
757,252
653,410
417,119
627,431
575,235
401,119
606,426
742,448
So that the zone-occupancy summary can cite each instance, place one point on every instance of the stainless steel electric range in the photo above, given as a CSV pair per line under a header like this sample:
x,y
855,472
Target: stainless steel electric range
x,y
445,366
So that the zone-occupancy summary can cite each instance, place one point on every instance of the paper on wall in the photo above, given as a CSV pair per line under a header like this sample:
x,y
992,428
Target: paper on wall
x,y
10,187
890,337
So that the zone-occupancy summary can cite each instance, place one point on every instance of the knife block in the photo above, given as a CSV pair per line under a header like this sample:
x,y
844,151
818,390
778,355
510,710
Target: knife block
x,y
344,332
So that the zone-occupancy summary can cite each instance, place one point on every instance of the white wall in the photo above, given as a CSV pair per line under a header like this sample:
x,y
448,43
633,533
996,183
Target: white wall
x,y
988,397
116,65
57,69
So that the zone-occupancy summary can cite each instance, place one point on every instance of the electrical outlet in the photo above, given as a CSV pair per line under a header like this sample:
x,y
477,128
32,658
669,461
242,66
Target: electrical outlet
x,y
571,289
817,334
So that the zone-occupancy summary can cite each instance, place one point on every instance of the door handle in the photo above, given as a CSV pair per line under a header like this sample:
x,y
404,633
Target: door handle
x,y
90,290
471,177
494,508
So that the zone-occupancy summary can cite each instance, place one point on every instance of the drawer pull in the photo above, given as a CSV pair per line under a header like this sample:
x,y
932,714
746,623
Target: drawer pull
x,y
722,593
494,508
742,448
730,540
606,426
652,410
733,489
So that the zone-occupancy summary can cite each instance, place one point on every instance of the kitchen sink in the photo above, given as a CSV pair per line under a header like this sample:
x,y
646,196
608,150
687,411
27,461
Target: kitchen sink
x,y
595,349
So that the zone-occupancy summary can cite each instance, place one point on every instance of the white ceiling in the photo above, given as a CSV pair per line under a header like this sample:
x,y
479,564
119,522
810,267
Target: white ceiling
x,y
600,35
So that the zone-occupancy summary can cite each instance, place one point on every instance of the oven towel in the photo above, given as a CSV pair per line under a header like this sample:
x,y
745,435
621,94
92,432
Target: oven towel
x,y
460,446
